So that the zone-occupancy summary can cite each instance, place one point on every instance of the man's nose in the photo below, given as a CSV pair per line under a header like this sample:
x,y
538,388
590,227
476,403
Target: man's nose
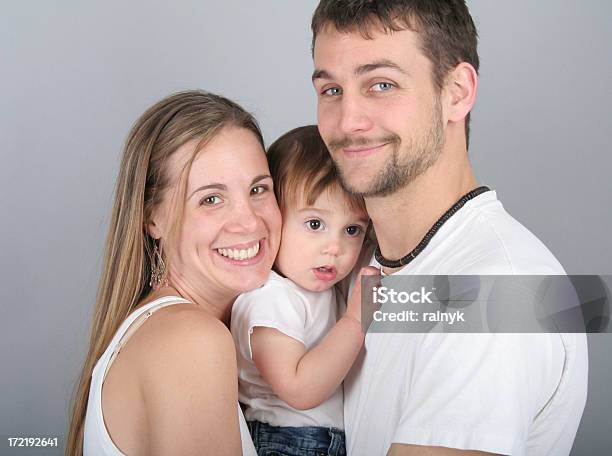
x,y
353,115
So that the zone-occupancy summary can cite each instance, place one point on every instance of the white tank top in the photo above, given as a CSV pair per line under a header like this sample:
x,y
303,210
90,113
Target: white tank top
x,y
97,441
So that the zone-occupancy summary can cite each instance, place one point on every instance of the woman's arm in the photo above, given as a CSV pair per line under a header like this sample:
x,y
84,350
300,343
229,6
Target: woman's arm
x,y
190,388
306,379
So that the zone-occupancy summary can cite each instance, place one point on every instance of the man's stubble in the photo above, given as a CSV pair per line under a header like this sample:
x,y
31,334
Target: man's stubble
x,y
407,162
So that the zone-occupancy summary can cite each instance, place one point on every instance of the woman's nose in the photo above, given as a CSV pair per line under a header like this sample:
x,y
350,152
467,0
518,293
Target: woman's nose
x,y
244,218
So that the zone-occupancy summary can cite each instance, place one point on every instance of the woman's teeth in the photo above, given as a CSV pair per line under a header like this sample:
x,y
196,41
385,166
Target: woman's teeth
x,y
240,254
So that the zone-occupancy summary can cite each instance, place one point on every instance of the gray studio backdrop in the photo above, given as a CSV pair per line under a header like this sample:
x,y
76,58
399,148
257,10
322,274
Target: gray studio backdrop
x,y
75,75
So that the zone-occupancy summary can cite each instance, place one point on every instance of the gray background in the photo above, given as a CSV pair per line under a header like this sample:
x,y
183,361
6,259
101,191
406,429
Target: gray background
x,y
75,75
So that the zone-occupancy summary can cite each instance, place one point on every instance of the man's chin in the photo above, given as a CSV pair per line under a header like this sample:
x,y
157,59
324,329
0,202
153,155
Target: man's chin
x,y
357,187
357,180
374,188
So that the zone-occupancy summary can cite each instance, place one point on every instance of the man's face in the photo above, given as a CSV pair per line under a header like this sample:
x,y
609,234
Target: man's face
x,y
378,110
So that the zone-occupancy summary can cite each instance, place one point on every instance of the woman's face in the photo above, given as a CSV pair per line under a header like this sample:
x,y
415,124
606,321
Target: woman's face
x,y
231,224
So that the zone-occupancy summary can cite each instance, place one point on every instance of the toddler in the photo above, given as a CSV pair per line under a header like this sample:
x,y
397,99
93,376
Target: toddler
x,y
293,351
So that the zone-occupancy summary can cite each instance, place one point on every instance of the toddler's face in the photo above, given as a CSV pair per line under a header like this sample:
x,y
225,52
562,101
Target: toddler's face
x,y
320,243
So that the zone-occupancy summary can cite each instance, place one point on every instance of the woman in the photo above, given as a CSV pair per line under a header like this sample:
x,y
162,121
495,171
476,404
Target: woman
x,y
194,223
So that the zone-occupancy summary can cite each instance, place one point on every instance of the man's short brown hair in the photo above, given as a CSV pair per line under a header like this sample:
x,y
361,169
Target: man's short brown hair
x,y
446,31
301,167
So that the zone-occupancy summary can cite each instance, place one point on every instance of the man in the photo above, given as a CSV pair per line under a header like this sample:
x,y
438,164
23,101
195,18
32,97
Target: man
x,y
396,80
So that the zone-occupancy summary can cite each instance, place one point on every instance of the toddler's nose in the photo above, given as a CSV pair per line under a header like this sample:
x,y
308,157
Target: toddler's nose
x,y
332,248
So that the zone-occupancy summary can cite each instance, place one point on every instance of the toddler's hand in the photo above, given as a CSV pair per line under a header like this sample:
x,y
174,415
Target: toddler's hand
x,y
353,306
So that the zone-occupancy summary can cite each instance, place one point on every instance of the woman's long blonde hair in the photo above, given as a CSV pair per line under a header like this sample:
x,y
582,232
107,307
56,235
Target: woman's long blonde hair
x,y
156,135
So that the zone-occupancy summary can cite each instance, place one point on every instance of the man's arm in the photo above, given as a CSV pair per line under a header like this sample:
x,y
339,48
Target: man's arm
x,y
473,391
398,449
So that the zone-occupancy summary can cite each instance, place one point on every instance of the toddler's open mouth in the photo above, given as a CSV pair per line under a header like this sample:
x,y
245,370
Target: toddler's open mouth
x,y
327,273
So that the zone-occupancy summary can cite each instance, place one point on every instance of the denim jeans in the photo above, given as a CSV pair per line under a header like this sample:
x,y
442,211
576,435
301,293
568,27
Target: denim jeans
x,y
296,441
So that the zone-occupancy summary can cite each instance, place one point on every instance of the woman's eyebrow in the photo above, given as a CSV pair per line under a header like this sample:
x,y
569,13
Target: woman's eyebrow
x,y
207,187
224,187
260,177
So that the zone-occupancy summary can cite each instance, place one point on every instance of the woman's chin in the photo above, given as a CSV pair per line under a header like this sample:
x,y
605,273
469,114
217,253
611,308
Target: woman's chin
x,y
253,281
242,280
244,275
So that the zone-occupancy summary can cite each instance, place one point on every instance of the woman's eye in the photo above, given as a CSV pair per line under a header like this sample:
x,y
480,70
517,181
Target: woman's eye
x,y
382,87
259,189
212,200
314,224
354,230
332,91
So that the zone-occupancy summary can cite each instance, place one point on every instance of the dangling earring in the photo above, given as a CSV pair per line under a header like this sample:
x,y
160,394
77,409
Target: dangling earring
x,y
158,268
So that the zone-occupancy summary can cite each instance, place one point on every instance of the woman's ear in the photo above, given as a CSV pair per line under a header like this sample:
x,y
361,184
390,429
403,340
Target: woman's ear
x,y
461,85
153,229
154,226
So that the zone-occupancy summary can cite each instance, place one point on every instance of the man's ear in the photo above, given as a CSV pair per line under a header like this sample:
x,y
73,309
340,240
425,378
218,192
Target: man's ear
x,y
461,87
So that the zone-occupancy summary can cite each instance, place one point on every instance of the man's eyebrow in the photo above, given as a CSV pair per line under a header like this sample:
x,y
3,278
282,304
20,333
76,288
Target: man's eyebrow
x,y
320,74
384,63
363,69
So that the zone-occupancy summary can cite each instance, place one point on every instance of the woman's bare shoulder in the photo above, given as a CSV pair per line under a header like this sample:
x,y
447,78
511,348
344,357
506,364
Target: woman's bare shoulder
x,y
185,320
187,374
183,337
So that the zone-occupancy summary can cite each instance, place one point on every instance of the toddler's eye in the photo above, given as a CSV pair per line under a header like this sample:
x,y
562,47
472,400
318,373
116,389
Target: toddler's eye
x,y
354,230
314,224
211,200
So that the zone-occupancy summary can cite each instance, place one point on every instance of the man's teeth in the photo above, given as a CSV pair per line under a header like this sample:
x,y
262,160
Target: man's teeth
x,y
240,254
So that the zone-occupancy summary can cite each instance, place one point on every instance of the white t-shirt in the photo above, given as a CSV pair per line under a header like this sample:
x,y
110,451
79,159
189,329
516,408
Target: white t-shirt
x,y
303,315
519,394
97,440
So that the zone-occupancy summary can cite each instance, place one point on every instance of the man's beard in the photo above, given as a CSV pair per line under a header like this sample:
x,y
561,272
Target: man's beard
x,y
418,155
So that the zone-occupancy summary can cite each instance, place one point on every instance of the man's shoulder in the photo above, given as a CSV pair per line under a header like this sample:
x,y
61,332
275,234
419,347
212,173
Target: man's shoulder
x,y
491,241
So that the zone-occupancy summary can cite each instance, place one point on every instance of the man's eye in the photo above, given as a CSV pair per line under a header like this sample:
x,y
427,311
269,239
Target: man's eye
x,y
259,189
382,87
353,230
314,224
211,200
332,91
